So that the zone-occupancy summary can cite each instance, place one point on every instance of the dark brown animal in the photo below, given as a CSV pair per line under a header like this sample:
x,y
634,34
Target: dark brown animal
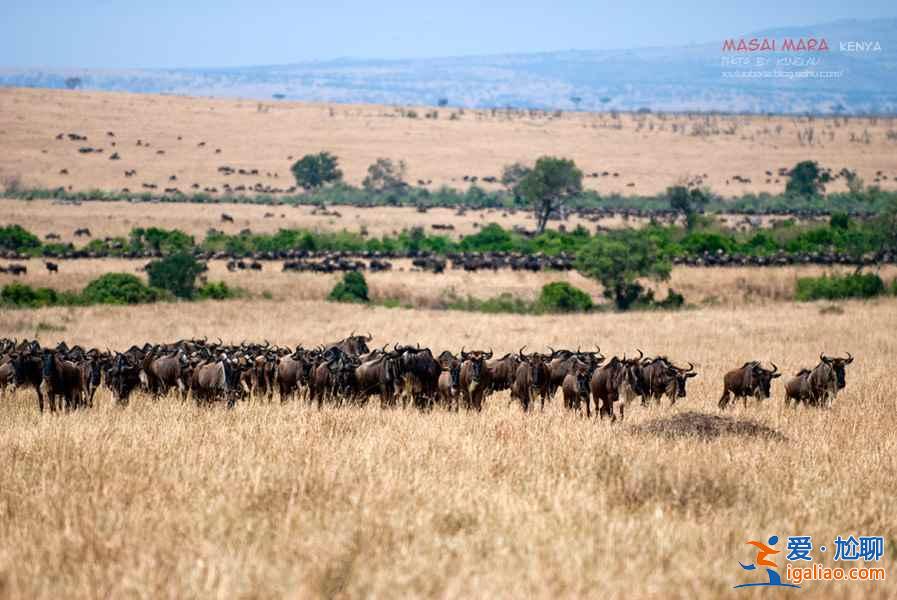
x,y
61,379
575,387
474,378
616,377
748,380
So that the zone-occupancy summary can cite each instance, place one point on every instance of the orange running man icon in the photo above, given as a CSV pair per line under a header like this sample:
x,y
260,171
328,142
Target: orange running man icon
x,y
763,551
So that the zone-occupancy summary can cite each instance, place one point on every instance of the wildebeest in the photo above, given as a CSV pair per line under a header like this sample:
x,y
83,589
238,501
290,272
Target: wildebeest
x,y
162,373
474,378
123,377
226,218
420,374
355,345
51,267
449,379
531,376
500,372
379,374
663,378
292,371
750,379
818,386
63,379
215,379
82,231
798,388
27,367
575,387
619,375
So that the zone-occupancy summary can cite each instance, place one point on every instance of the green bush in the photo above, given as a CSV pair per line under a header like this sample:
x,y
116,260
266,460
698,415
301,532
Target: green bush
x,y
834,287
175,273
218,290
20,295
119,288
17,238
562,297
352,288
166,241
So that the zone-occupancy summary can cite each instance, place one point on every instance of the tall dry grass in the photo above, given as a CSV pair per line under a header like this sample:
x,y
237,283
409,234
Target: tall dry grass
x,y
164,499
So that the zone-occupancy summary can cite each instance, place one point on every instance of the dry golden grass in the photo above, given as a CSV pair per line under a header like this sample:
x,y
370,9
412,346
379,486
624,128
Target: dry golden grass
x,y
643,149
282,500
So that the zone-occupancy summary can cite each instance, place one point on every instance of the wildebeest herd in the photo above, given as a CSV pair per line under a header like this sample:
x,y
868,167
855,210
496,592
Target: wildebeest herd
x,y
348,371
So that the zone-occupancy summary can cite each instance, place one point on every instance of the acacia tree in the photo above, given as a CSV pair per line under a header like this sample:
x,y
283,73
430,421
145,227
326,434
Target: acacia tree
x,y
618,260
384,175
806,179
688,201
511,176
550,185
313,171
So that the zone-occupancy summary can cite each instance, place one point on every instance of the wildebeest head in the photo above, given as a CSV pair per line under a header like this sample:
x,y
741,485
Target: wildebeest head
x,y
354,344
680,377
837,365
476,358
758,379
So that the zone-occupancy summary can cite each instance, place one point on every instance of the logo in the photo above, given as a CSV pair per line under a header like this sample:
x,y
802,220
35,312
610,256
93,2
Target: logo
x,y
800,568
773,577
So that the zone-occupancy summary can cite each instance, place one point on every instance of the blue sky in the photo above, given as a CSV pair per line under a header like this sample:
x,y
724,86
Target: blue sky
x,y
207,33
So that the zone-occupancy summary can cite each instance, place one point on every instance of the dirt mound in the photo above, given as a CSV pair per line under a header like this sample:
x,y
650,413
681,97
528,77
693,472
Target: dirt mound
x,y
706,427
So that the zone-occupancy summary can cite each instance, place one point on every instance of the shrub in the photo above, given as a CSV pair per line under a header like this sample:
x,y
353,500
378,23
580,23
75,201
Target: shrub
x,y
352,288
839,220
834,287
218,290
560,296
119,288
175,273
21,295
166,241
17,238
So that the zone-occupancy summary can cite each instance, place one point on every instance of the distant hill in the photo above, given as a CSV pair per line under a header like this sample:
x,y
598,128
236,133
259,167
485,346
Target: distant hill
x,y
686,78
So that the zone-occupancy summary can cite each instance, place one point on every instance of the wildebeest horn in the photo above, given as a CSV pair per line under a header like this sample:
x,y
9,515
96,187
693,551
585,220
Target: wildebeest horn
x,y
220,342
849,358
490,353
463,353
640,354
597,349
370,337
522,348
775,369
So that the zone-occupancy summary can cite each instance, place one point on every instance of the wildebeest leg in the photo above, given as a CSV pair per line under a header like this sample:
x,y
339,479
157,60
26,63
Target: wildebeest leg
x,y
40,400
724,399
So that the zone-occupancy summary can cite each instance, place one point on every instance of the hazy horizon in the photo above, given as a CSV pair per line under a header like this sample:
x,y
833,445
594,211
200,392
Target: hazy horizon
x,y
166,35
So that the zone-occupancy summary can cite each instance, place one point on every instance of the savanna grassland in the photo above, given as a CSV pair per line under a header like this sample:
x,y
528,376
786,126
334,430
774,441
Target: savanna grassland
x,y
271,500
647,152
164,499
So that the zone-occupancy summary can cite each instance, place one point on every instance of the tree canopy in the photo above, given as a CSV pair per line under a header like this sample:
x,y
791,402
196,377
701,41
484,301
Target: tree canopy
x,y
313,171
549,185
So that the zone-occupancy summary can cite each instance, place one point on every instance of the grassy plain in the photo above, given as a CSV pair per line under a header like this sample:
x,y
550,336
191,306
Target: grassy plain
x,y
271,500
